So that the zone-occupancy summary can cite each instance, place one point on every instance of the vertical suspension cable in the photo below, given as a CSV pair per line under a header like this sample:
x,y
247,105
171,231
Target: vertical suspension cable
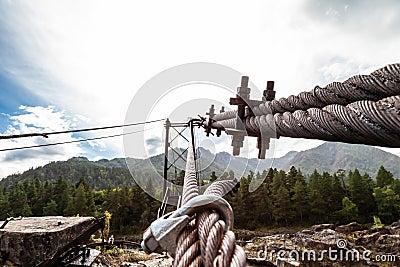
x,y
205,241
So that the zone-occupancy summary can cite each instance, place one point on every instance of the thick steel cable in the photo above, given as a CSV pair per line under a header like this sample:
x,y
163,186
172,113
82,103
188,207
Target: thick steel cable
x,y
190,186
361,122
205,241
384,82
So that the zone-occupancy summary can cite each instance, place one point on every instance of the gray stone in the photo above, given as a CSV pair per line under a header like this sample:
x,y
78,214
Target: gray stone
x,y
130,264
320,227
351,227
32,240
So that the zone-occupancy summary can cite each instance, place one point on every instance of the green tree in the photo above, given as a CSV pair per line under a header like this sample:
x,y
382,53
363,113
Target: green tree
x,y
70,209
61,195
282,210
32,196
349,212
317,188
388,204
300,200
384,177
278,181
263,198
241,204
291,178
336,195
4,204
50,208
38,204
80,201
396,186
18,201
361,193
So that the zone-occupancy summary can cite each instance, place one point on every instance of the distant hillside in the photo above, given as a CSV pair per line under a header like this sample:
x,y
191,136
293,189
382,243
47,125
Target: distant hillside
x,y
113,173
99,177
206,162
333,156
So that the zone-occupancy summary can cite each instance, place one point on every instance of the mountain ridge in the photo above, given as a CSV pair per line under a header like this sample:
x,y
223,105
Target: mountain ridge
x,y
327,157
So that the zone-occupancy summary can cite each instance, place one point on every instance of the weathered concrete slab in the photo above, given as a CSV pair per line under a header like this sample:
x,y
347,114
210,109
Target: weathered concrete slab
x,y
34,240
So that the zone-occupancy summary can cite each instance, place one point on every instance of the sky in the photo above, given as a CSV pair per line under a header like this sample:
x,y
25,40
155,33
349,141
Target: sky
x,y
72,64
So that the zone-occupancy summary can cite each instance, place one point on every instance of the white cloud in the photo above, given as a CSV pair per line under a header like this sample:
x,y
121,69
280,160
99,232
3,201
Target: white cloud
x,y
33,120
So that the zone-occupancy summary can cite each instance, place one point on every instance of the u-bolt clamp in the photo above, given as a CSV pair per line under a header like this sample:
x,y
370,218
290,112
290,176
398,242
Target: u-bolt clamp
x,y
162,234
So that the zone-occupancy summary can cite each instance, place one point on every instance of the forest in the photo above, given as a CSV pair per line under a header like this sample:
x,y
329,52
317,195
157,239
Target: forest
x,y
283,199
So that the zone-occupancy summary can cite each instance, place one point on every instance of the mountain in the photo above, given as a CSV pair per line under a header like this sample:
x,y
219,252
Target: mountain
x,y
331,156
74,169
206,162
113,173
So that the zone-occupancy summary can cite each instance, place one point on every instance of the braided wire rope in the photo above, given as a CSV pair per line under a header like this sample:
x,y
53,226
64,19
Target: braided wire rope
x,y
361,122
205,240
364,109
381,83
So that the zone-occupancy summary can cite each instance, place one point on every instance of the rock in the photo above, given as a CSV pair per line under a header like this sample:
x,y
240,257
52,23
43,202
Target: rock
x,y
320,227
366,239
381,240
388,239
287,263
351,227
159,262
34,240
395,226
383,230
307,232
130,264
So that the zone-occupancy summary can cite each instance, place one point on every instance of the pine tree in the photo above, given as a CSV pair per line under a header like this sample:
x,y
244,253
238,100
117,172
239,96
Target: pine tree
x,y
282,209
291,178
396,186
384,177
50,208
388,204
361,193
61,195
317,200
80,201
336,195
31,192
37,205
70,209
239,202
4,204
349,212
281,198
300,200
278,181
18,201
262,198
